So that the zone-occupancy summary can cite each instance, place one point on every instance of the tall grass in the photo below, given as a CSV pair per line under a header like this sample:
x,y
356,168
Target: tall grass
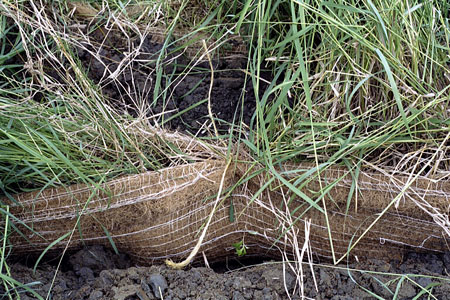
x,y
358,83
63,132
352,80
56,128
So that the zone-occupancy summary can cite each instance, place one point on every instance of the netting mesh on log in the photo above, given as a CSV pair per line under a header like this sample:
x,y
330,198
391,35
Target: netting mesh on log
x,y
158,215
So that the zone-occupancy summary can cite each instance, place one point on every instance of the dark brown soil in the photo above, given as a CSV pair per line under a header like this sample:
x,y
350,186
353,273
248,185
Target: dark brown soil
x,y
93,273
179,82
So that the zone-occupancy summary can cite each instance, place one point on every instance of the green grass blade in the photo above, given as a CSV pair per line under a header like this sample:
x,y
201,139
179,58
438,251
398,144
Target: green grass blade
x,y
50,246
394,89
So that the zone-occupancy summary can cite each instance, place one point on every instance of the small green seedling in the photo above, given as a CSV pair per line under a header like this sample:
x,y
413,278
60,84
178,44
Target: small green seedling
x,y
240,247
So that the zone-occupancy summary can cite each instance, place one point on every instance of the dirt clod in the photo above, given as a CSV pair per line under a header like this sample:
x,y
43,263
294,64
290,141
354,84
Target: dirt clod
x,y
267,281
158,284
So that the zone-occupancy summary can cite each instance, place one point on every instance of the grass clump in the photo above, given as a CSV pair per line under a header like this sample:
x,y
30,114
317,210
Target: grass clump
x,y
349,76
56,128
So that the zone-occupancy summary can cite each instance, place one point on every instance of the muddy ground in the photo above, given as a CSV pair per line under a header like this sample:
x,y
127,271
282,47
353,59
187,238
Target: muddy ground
x,y
97,273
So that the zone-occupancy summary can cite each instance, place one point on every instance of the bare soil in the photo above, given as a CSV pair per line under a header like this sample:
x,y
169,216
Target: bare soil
x,y
97,273
182,85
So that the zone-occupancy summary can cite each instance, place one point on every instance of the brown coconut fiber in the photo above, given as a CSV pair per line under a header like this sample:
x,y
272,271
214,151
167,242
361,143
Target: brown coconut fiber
x,y
159,215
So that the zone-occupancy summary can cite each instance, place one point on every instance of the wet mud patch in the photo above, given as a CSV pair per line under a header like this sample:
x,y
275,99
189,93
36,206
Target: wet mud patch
x,y
96,273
